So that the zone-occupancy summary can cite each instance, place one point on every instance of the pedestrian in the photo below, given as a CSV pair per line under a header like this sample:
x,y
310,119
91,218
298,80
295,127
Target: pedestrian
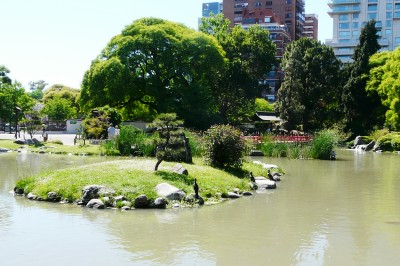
x,y
111,131
116,131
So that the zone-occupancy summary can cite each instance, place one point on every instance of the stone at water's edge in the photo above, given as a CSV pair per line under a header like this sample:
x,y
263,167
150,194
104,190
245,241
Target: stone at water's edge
x,y
265,184
90,192
95,203
170,192
4,149
141,202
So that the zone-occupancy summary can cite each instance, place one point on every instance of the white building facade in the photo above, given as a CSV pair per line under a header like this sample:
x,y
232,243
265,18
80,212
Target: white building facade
x,y
350,16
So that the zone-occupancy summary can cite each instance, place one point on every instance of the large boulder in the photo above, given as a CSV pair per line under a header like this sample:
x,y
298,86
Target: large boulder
x,y
170,192
95,203
141,202
358,141
265,184
4,149
160,203
179,169
90,192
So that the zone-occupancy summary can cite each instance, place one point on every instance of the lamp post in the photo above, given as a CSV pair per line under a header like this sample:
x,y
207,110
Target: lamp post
x,y
17,110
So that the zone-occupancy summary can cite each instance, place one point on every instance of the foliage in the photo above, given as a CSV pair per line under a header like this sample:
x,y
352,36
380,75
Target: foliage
x,y
389,142
110,148
163,65
375,135
98,120
362,110
308,94
64,92
37,88
4,78
250,55
196,142
323,144
171,144
224,146
134,141
384,80
59,109
263,105
272,148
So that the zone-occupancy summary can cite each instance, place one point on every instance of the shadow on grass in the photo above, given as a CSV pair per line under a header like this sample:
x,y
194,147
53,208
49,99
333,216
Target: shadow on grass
x,y
175,177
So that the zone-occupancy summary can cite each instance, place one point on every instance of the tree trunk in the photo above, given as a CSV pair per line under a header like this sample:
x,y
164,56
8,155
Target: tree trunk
x,y
157,164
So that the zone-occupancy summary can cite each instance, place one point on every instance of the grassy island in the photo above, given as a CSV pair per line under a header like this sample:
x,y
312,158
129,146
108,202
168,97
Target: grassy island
x,y
134,177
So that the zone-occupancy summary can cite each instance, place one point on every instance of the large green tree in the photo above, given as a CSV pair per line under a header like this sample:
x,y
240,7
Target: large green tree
x,y
362,110
384,80
161,64
309,93
37,88
59,109
250,56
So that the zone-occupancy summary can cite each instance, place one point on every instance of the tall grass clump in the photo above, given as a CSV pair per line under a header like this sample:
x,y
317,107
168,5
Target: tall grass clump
x,y
223,146
196,143
323,144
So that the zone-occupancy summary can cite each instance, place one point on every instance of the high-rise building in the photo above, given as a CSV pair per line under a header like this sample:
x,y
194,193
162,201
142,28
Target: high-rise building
x,y
212,7
311,26
350,16
289,12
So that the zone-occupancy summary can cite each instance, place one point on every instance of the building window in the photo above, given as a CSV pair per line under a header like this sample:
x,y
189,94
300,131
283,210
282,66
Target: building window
x,y
388,32
389,15
258,4
373,7
355,17
343,17
389,6
396,6
388,23
397,14
267,19
268,3
378,24
372,1
355,25
344,26
372,16
288,2
396,41
356,33
344,34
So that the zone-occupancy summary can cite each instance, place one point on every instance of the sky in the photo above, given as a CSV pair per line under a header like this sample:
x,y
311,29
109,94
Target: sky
x,y
56,40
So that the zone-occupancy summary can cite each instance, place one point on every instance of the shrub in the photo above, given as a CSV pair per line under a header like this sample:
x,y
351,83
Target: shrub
x,y
323,144
379,133
223,146
389,142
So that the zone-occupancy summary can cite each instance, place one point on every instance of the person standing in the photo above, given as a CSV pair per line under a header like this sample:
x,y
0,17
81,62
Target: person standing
x,y
111,132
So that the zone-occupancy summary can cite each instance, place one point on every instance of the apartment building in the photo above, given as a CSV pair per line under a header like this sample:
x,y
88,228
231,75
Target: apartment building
x,y
311,26
350,16
212,7
289,12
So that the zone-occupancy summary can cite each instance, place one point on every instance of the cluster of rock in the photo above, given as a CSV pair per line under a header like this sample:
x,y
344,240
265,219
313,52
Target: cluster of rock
x,y
359,144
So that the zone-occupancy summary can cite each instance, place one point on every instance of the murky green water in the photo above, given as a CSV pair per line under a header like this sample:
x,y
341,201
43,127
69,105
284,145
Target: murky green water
x,y
344,212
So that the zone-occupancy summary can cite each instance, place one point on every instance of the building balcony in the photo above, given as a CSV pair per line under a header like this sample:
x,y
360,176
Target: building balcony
x,y
342,2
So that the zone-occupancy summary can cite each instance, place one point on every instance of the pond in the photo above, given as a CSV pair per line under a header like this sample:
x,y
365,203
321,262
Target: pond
x,y
343,212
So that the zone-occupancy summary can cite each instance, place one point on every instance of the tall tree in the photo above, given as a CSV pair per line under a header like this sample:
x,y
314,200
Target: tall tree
x,y
4,75
37,88
384,80
361,110
309,93
161,64
250,55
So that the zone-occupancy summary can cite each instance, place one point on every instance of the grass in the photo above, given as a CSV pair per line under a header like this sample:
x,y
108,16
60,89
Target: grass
x,y
54,147
134,177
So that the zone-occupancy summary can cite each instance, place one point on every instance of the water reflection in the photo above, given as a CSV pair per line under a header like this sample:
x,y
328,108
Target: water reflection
x,y
343,212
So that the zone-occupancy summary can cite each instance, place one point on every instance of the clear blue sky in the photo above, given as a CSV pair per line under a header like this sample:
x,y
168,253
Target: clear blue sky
x,y
56,40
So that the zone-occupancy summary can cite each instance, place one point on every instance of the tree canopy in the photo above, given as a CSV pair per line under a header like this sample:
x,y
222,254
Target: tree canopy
x,y
308,94
250,56
362,111
161,64
384,79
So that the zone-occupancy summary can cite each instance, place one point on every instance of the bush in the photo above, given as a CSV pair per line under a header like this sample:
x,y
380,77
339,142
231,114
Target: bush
x,y
223,146
323,144
389,142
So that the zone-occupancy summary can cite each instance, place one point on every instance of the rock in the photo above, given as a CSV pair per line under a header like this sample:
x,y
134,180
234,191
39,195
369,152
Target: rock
x,y
20,141
95,203
236,190
141,202
192,199
35,141
176,205
126,203
232,195
256,153
18,191
253,185
53,197
160,203
120,197
179,169
370,146
4,149
170,192
31,196
247,193
266,184
125,208
90,192
358,141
